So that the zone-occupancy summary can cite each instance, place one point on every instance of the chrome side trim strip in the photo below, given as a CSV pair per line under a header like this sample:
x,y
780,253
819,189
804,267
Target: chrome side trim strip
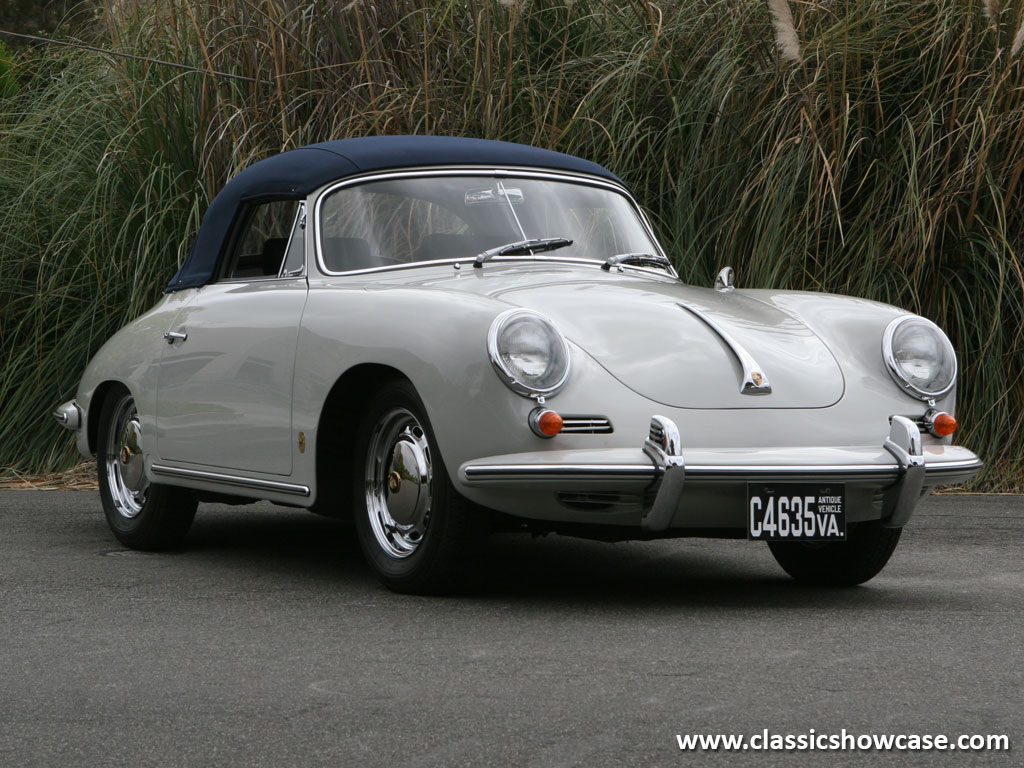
x,y
235,480
755,380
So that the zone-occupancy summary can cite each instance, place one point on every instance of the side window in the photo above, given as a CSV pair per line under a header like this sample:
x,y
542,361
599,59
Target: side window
x,y
260,247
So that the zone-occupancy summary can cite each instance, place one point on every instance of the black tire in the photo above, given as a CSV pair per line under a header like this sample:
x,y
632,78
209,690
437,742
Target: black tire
x,y
861,557
414,543
141,515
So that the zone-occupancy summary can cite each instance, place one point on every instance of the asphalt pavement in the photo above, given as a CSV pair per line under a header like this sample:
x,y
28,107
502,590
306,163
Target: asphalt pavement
x,y
268,643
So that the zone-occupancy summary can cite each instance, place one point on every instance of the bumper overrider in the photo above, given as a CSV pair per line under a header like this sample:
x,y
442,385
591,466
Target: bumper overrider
x,y
698,489
69,415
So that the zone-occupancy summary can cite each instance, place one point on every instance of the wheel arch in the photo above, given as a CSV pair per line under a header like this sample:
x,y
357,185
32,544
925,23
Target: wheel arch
x,y
336,430
102,391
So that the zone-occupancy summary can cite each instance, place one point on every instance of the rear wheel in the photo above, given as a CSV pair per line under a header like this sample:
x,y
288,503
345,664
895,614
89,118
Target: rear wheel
x,y
142,515
861,557
416,532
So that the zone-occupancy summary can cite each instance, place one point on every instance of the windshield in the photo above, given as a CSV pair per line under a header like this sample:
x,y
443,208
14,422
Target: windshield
x,y
407,220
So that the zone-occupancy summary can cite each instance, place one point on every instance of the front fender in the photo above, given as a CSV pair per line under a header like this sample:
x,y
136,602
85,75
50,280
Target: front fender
x,y
435,339
130,358
853,329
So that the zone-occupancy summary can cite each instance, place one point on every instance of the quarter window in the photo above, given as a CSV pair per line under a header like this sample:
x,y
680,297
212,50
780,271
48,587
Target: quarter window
x,y
295,258
260,247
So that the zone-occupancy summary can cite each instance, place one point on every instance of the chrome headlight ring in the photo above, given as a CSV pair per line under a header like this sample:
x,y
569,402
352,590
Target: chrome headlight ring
x,y
528,352
897,357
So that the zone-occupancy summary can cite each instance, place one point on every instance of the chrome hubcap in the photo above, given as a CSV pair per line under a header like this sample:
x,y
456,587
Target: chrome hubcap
x,y
126,476
398,482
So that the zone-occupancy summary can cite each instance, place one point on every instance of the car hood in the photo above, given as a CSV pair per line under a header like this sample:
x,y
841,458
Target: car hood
x,y
638,330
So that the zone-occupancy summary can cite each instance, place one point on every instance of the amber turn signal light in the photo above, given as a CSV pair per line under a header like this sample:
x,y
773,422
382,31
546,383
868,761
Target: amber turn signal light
x,y
544,422
942,424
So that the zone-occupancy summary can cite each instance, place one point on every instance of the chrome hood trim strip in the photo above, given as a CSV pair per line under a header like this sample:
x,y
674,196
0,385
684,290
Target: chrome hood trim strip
x,y
755,380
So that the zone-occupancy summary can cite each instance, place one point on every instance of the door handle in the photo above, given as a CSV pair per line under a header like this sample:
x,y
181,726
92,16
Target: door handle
x,y
173,336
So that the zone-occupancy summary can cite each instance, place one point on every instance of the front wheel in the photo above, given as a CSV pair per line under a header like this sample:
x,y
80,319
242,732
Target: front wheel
x,y
142,515
416,532
861,557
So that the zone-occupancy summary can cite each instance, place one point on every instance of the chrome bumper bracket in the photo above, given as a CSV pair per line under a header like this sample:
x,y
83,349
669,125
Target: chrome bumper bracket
x,y
664,448
904,443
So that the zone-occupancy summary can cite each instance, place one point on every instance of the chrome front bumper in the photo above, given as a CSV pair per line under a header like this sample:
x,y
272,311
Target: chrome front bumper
x,y
901,469
904,444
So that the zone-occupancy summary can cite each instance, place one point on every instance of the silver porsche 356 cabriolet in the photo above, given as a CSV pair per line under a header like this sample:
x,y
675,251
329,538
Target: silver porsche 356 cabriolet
x,y
442,337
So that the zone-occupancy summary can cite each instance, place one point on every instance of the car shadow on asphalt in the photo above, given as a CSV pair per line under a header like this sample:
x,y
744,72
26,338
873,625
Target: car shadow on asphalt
x,y
291,543
680,572
554,570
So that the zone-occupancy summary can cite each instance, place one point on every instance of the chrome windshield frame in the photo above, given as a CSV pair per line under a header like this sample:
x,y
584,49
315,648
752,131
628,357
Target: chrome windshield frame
x,y
503,172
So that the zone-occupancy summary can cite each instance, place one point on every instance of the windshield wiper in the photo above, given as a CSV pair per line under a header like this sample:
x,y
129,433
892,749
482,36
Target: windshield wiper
x,y
521,247
640,259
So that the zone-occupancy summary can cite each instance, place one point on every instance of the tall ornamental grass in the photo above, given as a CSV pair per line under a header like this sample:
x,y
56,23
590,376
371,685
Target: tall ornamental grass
x,y
870,147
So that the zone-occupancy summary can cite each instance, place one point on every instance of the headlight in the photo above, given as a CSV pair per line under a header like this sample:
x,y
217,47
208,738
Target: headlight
x,y
919,356
528,352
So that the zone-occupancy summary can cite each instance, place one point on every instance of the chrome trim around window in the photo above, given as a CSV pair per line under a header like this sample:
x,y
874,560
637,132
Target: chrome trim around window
x,y
247,280
234,480
457,170
574,260
755,380
893,367
298,230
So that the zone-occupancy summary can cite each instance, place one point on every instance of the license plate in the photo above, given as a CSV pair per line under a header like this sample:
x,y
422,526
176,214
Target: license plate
x,y
796,511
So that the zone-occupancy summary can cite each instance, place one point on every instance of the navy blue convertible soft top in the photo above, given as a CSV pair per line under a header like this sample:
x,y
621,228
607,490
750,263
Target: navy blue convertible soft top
x,y
294,174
